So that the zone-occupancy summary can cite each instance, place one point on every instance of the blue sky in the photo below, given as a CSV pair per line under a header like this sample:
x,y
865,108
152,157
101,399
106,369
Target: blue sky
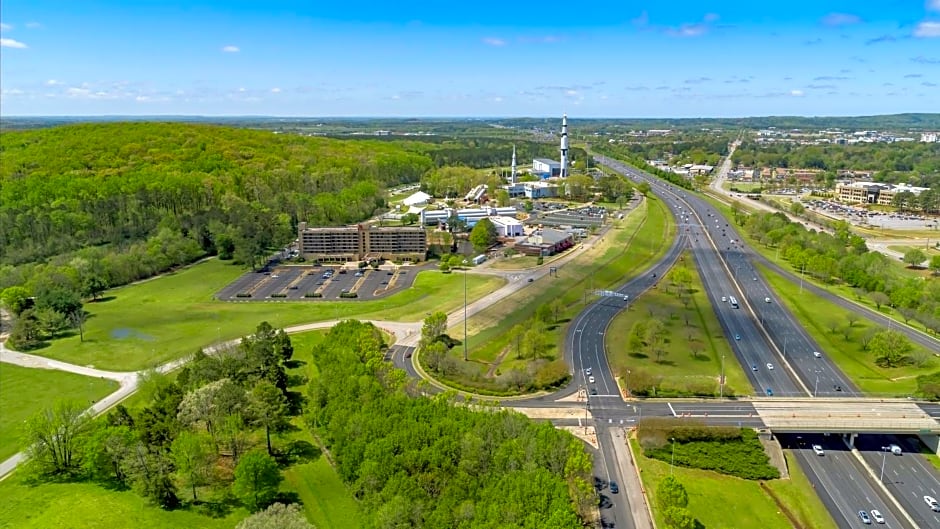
x,y
484,58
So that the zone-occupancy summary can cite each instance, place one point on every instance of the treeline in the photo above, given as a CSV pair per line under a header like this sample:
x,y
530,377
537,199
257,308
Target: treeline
x,y
112,183
678,149
203,439
844,257
914,163
428,462
624,153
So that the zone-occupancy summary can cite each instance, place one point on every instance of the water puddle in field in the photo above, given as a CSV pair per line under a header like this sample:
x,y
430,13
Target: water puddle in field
x,y
125,332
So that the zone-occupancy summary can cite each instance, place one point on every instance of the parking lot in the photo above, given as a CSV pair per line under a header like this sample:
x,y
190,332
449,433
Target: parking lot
x,y
314,283
861,216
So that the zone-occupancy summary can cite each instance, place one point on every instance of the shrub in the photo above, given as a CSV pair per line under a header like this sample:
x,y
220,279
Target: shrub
x,y
243,295
313,295
348,295
279,295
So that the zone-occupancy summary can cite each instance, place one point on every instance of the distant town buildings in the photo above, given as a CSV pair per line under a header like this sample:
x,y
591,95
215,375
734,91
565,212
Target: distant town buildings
x,y
362,243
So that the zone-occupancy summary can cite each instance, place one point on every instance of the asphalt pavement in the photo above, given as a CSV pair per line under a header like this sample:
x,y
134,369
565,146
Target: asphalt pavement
x,y
908,476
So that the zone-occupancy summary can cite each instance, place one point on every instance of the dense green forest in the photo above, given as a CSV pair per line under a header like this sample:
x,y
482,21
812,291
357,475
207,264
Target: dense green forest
x,y
914,163
429,462
696,148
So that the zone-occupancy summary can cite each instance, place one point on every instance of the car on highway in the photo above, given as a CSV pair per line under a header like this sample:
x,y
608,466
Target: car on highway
x,y
590,380
932,503
737,336
593,391
769,365
864,516
724,299
754,367
876,516
614,489
895,449
766,300
770,392
818,450
817,354
531,280
587,371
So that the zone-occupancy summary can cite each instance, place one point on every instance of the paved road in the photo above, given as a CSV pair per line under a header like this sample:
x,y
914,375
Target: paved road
x,y
773,336
909,476
841,481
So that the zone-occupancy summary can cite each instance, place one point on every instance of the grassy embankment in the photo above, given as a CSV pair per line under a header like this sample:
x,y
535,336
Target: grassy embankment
x,y
175,314
840,340
687,328
717,500
24,391
631,244
326,501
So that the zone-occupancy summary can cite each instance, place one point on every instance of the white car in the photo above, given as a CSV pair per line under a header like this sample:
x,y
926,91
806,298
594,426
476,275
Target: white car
x,y
587,371
818,450
877,517
724,299
770,366
817,354
590,380
932,502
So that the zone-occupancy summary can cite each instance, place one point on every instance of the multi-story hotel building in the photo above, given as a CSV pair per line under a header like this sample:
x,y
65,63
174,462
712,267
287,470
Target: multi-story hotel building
x,y
362,243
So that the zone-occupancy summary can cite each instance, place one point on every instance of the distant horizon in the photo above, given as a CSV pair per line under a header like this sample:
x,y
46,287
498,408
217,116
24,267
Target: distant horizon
x,y
646,60
450,117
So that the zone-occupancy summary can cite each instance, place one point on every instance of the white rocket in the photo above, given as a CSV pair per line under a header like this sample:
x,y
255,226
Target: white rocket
x,y
512,176
564,146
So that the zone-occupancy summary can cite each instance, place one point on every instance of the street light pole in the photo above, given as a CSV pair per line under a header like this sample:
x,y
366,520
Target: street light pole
x,y
816,387
465,314
672,465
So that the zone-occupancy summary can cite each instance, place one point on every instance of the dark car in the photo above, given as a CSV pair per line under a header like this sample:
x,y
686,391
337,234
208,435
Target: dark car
x,y
770,392
864,516
614,488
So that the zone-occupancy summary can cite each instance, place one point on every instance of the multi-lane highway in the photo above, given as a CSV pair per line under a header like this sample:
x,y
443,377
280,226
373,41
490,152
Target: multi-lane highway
x,y
772,335
908,476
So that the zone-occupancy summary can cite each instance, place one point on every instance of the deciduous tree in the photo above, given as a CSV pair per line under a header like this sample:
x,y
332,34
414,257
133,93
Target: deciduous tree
x,y
256,480
55,436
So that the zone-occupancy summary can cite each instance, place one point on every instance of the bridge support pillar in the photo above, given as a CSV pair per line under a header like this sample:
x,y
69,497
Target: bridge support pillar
x,y
849,439
932,441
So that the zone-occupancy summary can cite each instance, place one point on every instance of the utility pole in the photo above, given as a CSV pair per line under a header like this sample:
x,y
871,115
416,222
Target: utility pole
x,y
465,312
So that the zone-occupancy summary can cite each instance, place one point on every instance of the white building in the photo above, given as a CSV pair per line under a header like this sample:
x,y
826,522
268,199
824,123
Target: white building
x,y
418,199
540,190
544,166
507,226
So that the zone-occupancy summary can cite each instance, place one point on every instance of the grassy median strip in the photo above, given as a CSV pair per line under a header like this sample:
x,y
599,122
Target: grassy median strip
x,y
685,356
149,323
839,333
796,494
25,391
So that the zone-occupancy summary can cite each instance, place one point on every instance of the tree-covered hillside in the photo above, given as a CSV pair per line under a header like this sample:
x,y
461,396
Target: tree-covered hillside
x,y
110,183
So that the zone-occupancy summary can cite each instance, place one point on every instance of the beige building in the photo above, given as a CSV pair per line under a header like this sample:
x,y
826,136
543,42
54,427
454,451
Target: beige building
x,y
873,192
362,243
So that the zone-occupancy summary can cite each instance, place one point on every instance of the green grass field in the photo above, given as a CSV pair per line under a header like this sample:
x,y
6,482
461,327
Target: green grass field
x,y
24,391
516,262
89,506
679,369
796,494
717,500
819,317
149,323
327,502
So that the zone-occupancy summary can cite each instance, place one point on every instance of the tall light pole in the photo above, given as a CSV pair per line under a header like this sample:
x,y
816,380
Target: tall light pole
x,y
465,311
721,382
884,455
672,465
816,387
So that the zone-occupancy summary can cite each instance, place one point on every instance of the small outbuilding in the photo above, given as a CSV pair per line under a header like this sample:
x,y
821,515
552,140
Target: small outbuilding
x,y
418,199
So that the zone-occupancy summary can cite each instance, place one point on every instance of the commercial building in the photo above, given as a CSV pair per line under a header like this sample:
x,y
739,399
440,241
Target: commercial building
x,y
546,241
546,168
507,226
469,215
873,192
362,243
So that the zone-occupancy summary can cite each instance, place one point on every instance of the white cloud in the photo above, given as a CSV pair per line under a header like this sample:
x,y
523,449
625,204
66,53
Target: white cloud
x,y
242,89
840,19
53,82
230,49
927,30
796,93
10,43
494,41
933,5
5,27
275,90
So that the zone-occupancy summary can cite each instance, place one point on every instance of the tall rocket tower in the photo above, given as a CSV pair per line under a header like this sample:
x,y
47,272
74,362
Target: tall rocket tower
x,y
564,146
512,175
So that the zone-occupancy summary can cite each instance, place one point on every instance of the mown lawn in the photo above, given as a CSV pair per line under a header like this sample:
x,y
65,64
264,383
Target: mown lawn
x,y
688,327
843,345
25,391
327,502
796,493
715,500
146,324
